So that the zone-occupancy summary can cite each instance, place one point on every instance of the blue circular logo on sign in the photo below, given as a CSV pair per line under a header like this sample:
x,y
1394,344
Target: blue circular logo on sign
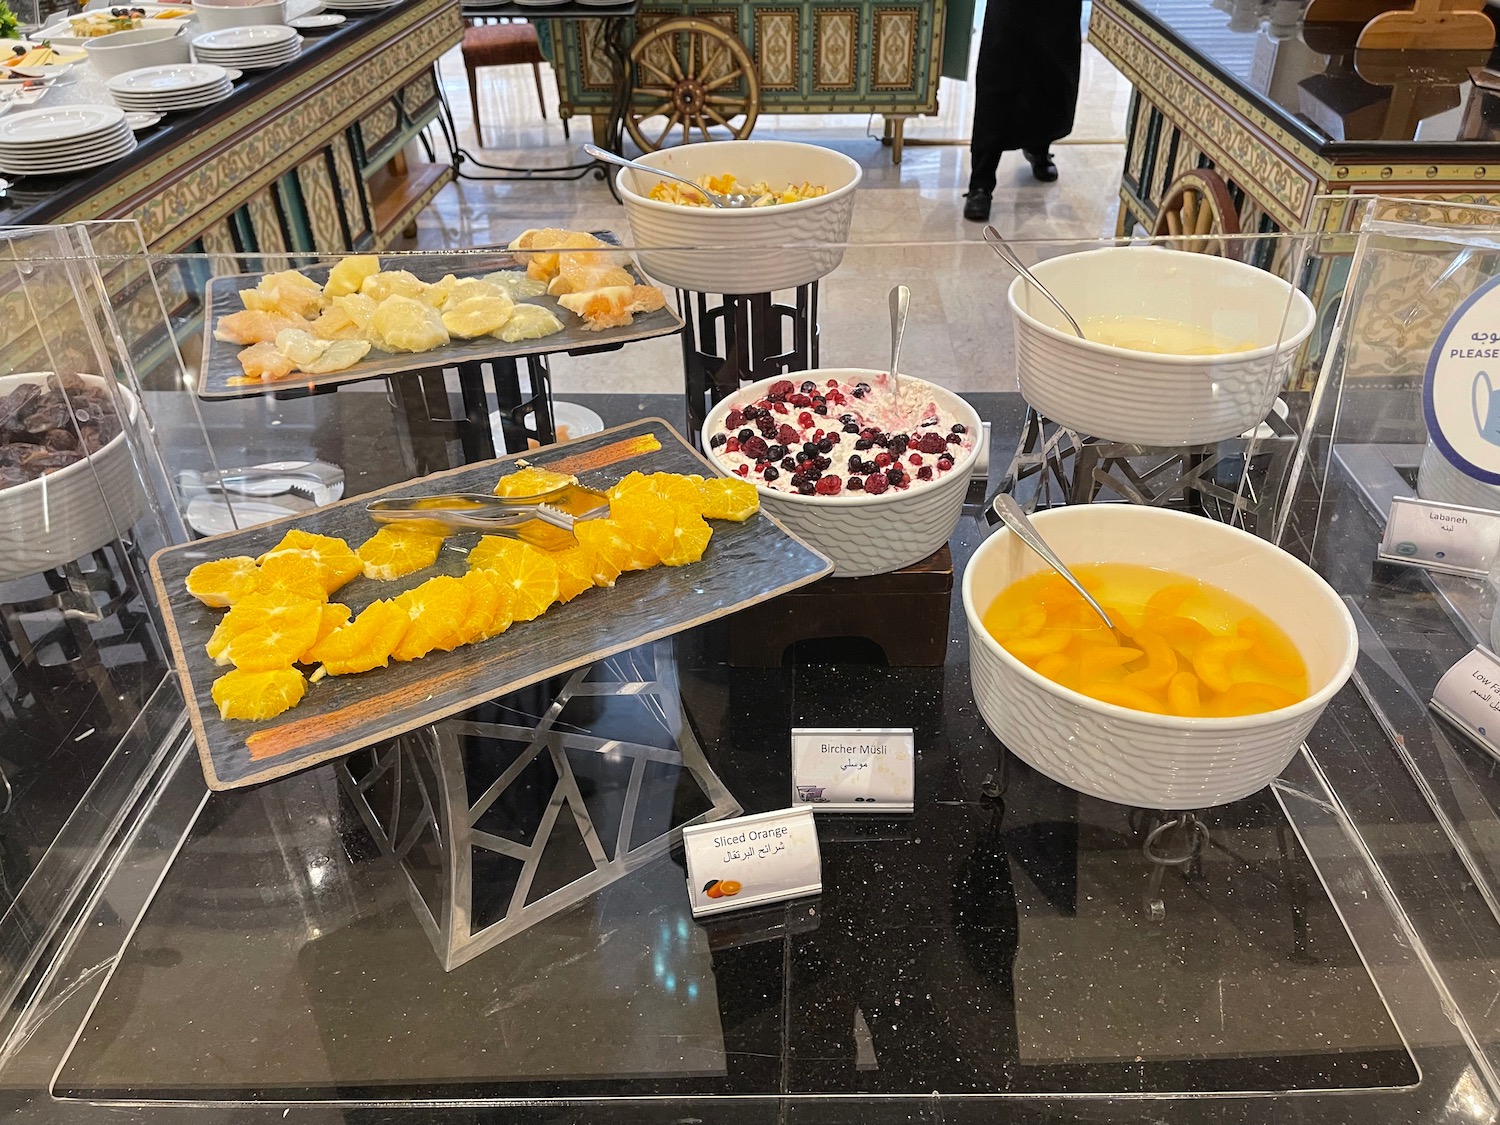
x,y
1461,388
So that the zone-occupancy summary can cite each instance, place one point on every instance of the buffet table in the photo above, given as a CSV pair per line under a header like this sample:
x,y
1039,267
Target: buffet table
x,y
309,155
1290,114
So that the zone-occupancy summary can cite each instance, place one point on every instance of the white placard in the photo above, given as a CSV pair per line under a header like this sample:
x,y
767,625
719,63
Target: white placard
x,y
1445,537
1461,386
854,769
751,860
1468,696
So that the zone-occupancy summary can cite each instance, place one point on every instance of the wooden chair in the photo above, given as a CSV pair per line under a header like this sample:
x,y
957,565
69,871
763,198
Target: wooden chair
x,y
501,44
1198,203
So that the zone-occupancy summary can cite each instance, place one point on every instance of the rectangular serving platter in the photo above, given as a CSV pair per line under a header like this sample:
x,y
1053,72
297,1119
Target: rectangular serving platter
x,y
222,296
746,563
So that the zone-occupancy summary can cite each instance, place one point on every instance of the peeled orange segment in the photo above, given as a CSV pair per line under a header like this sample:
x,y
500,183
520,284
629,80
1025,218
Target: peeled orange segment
x,y
485,594
251,613
575,571
491,549
364,643
335,558
330,619
394,551
530,576
437,609
223,581
679,491
279,643
631,482
690,538
531,481
258,695
609,550
296,573
727,499
647,523
350,274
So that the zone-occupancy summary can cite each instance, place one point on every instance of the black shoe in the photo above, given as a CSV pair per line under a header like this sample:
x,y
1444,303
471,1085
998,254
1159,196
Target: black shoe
x,y
977,206
1042,167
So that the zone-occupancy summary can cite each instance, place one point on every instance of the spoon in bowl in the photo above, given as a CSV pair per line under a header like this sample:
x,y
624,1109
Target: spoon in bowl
x,y
728,202
1015,518
998,244
900,306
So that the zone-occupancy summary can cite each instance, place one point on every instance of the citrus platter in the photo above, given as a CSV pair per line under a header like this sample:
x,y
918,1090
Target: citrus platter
x,y
736,558
222,372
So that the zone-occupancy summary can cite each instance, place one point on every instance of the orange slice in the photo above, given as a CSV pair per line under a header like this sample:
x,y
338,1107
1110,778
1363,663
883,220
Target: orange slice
x,y
223,581
490,549
609,549
336,558
631,482
296,574
689,538
531,481
331,618
575,571
394,551
252,612
485,594
364,643
437,609
279,643
646,522
530,576
679,491
258,695
725,498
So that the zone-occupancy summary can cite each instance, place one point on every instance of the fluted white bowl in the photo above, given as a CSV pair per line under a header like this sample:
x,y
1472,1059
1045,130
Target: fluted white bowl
x,y
1133,757
218,17
1166,400
866,534
64,515
1441,480
747,250
121,51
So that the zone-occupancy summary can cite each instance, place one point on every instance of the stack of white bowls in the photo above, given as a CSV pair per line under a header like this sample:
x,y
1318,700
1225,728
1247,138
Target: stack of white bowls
x,y
358,7
249,48
122,51
56,142
218,16
169,89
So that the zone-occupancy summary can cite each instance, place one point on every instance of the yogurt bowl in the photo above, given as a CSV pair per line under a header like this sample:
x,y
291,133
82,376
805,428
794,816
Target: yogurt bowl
x,y
864,533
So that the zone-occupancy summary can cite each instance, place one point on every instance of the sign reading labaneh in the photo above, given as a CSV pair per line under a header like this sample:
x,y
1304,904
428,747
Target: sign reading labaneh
x,y
1461,390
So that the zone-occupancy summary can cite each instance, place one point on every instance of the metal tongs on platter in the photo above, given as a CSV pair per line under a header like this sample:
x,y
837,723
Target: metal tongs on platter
x,y
545,520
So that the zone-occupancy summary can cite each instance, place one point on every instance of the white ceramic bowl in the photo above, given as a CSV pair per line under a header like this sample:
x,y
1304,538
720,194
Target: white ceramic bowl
x,y
64,515
1133,757
217,17
749,250
1160,400
1441,480
130,50
866,534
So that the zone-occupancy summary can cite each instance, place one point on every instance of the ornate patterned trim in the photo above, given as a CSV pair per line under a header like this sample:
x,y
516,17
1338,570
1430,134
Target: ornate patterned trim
x,y
835,47
778,47
894,53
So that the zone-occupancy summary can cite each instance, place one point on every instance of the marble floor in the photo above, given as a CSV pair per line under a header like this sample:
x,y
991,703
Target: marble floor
x,y
907,224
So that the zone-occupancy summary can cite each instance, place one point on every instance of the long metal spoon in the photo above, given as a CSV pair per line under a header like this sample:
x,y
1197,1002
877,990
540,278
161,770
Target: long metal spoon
x,y
900,306
992,236
729,202
1016,519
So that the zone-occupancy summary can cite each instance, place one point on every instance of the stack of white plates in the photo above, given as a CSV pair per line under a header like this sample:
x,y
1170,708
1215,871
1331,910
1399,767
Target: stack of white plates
x,y
249,48
55,142
167,89
358,6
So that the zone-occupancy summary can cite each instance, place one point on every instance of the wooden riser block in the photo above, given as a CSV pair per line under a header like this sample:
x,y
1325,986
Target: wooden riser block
x,y
904,612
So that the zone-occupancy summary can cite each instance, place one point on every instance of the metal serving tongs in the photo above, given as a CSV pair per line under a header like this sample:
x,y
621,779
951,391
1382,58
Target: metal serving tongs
x,y
545,520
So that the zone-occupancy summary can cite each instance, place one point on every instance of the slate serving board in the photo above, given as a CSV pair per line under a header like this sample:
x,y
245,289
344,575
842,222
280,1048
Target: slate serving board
x,y
222,297
746,563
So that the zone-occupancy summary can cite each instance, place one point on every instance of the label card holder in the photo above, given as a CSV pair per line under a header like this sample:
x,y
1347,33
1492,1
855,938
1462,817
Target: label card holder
x,y
854,769
1443,537
751,860
1468,696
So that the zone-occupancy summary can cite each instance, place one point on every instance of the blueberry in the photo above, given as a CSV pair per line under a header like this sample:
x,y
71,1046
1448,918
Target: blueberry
x,y
854,484
851,428
745,435
808,387
825,446
718,440
772,473
776,452
959,428
863,443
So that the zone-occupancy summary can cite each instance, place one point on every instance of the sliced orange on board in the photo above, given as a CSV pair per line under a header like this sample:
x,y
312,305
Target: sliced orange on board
x,y
336,559
690,538
296,574
437,610
223,581
611,551
254,611
725,498
394,551
279,643
575,571
529,574
258,695
366,642
533,480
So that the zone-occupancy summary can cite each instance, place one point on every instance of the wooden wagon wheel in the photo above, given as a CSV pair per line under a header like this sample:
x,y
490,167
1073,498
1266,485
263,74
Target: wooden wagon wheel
x,y
1198,205
686,71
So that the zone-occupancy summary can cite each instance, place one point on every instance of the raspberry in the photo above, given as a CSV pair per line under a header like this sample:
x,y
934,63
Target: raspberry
x,y
731,446
830,486
735,420
717,440
771,473
932,443
786,435
924,473
915,459
954,439
751,413
856,485
743,470
780,389
755,447
882,459
959,428
876,484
